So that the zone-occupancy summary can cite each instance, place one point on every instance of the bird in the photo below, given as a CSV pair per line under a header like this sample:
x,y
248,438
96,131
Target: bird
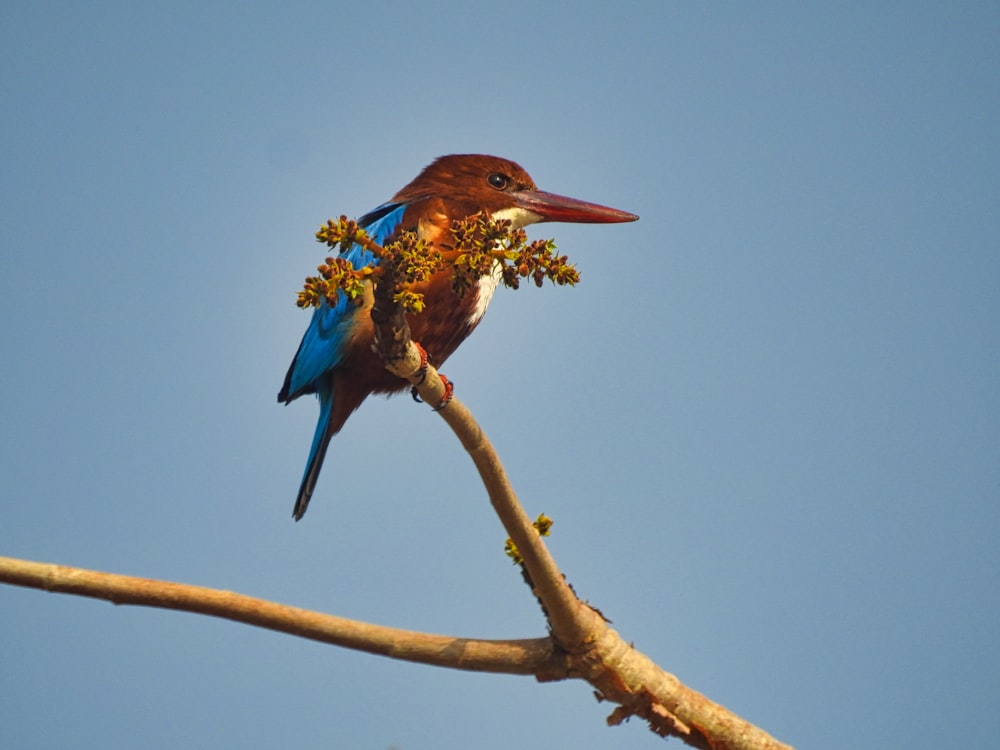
x,y
336,360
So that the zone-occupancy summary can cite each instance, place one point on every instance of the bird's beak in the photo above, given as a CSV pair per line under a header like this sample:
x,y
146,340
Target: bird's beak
x,y
552,207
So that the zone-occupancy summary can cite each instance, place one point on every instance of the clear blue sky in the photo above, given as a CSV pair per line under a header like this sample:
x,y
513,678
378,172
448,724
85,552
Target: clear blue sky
x,y
766,422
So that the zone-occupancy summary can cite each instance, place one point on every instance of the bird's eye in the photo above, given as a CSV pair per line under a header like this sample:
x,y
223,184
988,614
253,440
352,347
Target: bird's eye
x,y
499,181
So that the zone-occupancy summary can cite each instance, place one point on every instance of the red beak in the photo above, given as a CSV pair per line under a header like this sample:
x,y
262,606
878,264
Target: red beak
x,y
552,207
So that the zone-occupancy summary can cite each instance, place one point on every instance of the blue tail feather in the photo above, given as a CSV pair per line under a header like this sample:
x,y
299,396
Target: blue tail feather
x,y
321,440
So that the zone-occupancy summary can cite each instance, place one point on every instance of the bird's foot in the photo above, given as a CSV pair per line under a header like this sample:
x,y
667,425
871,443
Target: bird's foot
x,y
449,389
449,392
422,372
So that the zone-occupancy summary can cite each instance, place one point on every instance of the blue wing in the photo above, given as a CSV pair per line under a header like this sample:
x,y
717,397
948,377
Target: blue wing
x,y
323,344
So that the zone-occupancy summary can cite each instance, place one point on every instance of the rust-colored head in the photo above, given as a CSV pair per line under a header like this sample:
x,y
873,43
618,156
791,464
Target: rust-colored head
x,y
468,183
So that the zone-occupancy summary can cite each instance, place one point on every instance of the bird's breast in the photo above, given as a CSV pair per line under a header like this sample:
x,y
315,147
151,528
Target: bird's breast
x,y
447,318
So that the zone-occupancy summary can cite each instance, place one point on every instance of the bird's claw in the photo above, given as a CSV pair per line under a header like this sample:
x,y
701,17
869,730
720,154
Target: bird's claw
x,y
449,391
449,388
422,372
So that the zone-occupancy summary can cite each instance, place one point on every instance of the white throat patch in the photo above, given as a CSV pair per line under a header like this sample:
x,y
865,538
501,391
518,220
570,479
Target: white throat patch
x,y
487,285
519,217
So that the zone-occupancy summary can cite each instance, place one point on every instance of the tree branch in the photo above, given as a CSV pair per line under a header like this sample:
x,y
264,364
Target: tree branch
x,y
528,656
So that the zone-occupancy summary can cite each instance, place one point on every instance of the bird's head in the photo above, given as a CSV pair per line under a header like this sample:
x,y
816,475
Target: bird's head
x,y
469,183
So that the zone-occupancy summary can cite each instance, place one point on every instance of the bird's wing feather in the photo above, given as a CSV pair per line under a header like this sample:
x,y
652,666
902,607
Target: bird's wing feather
x,y
323,344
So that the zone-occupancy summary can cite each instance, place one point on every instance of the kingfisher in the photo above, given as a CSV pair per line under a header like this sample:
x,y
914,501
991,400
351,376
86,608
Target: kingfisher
x,y
336,359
